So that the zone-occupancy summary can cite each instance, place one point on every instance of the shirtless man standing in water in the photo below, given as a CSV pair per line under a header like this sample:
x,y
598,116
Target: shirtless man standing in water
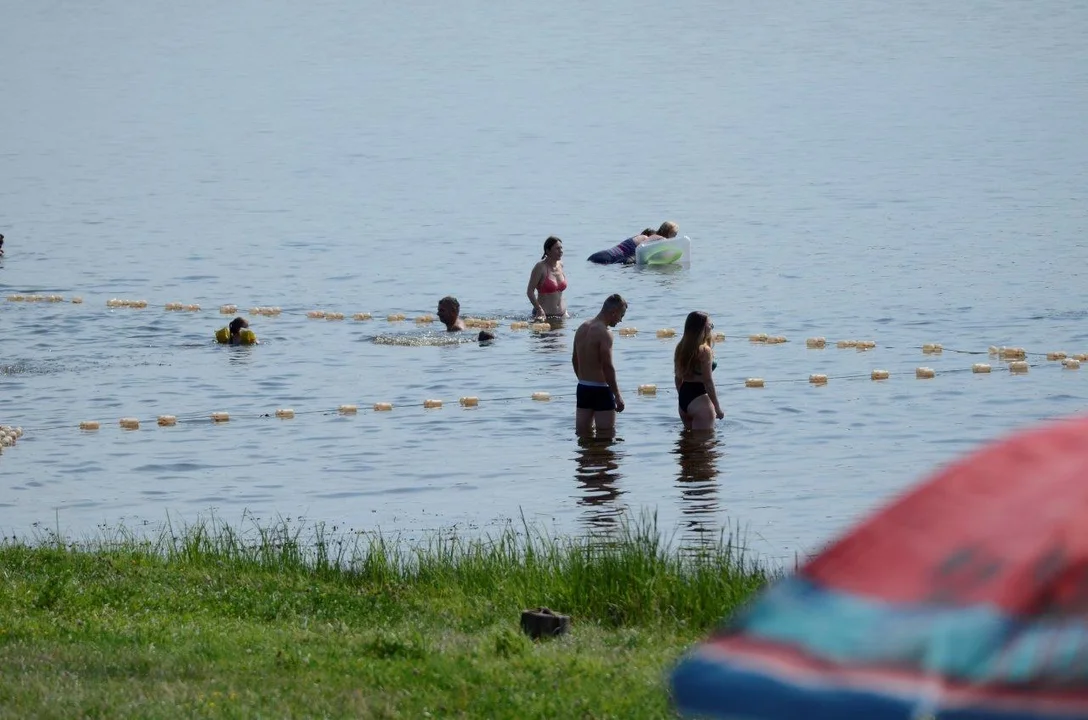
x,y
598,394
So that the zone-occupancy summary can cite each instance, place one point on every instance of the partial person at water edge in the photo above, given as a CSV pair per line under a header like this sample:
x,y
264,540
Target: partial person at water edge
x,y
693,365
1,246
449,313
237,333
547,281
598,394
625,251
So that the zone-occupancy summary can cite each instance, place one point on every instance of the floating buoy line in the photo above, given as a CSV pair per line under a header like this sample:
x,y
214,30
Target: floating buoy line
x,y
647,391
1012,360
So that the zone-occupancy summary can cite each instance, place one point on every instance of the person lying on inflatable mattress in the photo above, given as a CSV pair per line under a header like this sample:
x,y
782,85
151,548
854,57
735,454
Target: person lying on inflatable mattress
x,y
625,251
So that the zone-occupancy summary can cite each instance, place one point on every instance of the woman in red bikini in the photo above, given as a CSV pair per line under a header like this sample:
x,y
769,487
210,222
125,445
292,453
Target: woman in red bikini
x,y
547,282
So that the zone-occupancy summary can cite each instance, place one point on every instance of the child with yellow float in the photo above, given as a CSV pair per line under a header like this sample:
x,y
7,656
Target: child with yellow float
x,y
237,333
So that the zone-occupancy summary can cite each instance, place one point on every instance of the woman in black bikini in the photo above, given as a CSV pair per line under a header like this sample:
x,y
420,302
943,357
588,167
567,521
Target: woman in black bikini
x,y
693,363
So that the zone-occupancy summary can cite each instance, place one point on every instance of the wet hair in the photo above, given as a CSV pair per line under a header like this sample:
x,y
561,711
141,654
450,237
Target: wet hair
x,y
668,229
648,232
485,336
551,241
685,360
237,324
452,302
614,302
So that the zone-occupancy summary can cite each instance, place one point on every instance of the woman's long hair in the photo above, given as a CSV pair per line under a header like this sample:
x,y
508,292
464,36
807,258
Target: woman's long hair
x,y
685,361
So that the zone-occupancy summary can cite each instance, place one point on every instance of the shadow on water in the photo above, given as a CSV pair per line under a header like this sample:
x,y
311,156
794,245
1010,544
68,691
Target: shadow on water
x,y
597,472
664,275
697,454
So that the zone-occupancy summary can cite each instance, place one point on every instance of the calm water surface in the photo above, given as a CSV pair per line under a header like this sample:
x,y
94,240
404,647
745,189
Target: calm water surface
x,y
907,174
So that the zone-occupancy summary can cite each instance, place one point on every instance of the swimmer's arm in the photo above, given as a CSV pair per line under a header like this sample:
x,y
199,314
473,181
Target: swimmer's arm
x,y
530,292
708,377
607,367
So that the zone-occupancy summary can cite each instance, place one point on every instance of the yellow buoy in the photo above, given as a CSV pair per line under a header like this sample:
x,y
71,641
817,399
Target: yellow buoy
x,y
932,348
924,373
55,298
361,316
167,420
753,382
422,319
470,401
432,404
382,406
666,333
348,409
994,350
395,317
1081,356
15,298
818,379
846,344
315,314
334,316
776,340
541,327
130,423
192,308
647,389
220,417
519,325
89,425
228,309
285,413
1071,363
1012,353
879,374
628,331
815,342
866,344
980,368
1018,366
758,338
541,396
719,337
77,300
1056,355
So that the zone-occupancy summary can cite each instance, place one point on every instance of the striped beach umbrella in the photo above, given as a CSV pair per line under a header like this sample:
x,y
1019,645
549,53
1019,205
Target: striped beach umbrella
x,y
965,599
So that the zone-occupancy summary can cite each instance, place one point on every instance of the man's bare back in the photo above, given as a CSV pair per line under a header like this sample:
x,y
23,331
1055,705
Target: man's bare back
x,y
592,341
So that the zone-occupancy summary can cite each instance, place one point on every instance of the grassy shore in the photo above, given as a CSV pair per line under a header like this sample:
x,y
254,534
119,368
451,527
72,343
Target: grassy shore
x,y
208,621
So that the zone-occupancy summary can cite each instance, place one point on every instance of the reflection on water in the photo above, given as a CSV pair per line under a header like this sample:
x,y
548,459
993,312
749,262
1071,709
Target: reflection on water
x,y
597,472
551,341
698,453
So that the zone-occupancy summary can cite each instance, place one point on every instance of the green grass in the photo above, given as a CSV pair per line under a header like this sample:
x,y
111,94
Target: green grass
x,y
209,621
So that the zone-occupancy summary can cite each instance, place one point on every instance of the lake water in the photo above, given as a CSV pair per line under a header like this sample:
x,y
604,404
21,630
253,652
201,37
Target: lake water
x,y
906,173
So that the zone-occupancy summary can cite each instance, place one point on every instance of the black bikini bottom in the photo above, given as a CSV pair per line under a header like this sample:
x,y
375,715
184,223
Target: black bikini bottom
x,y
688,392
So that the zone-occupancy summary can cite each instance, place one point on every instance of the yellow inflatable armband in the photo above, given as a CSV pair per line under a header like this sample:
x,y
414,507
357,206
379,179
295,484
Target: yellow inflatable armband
x,y
247,336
